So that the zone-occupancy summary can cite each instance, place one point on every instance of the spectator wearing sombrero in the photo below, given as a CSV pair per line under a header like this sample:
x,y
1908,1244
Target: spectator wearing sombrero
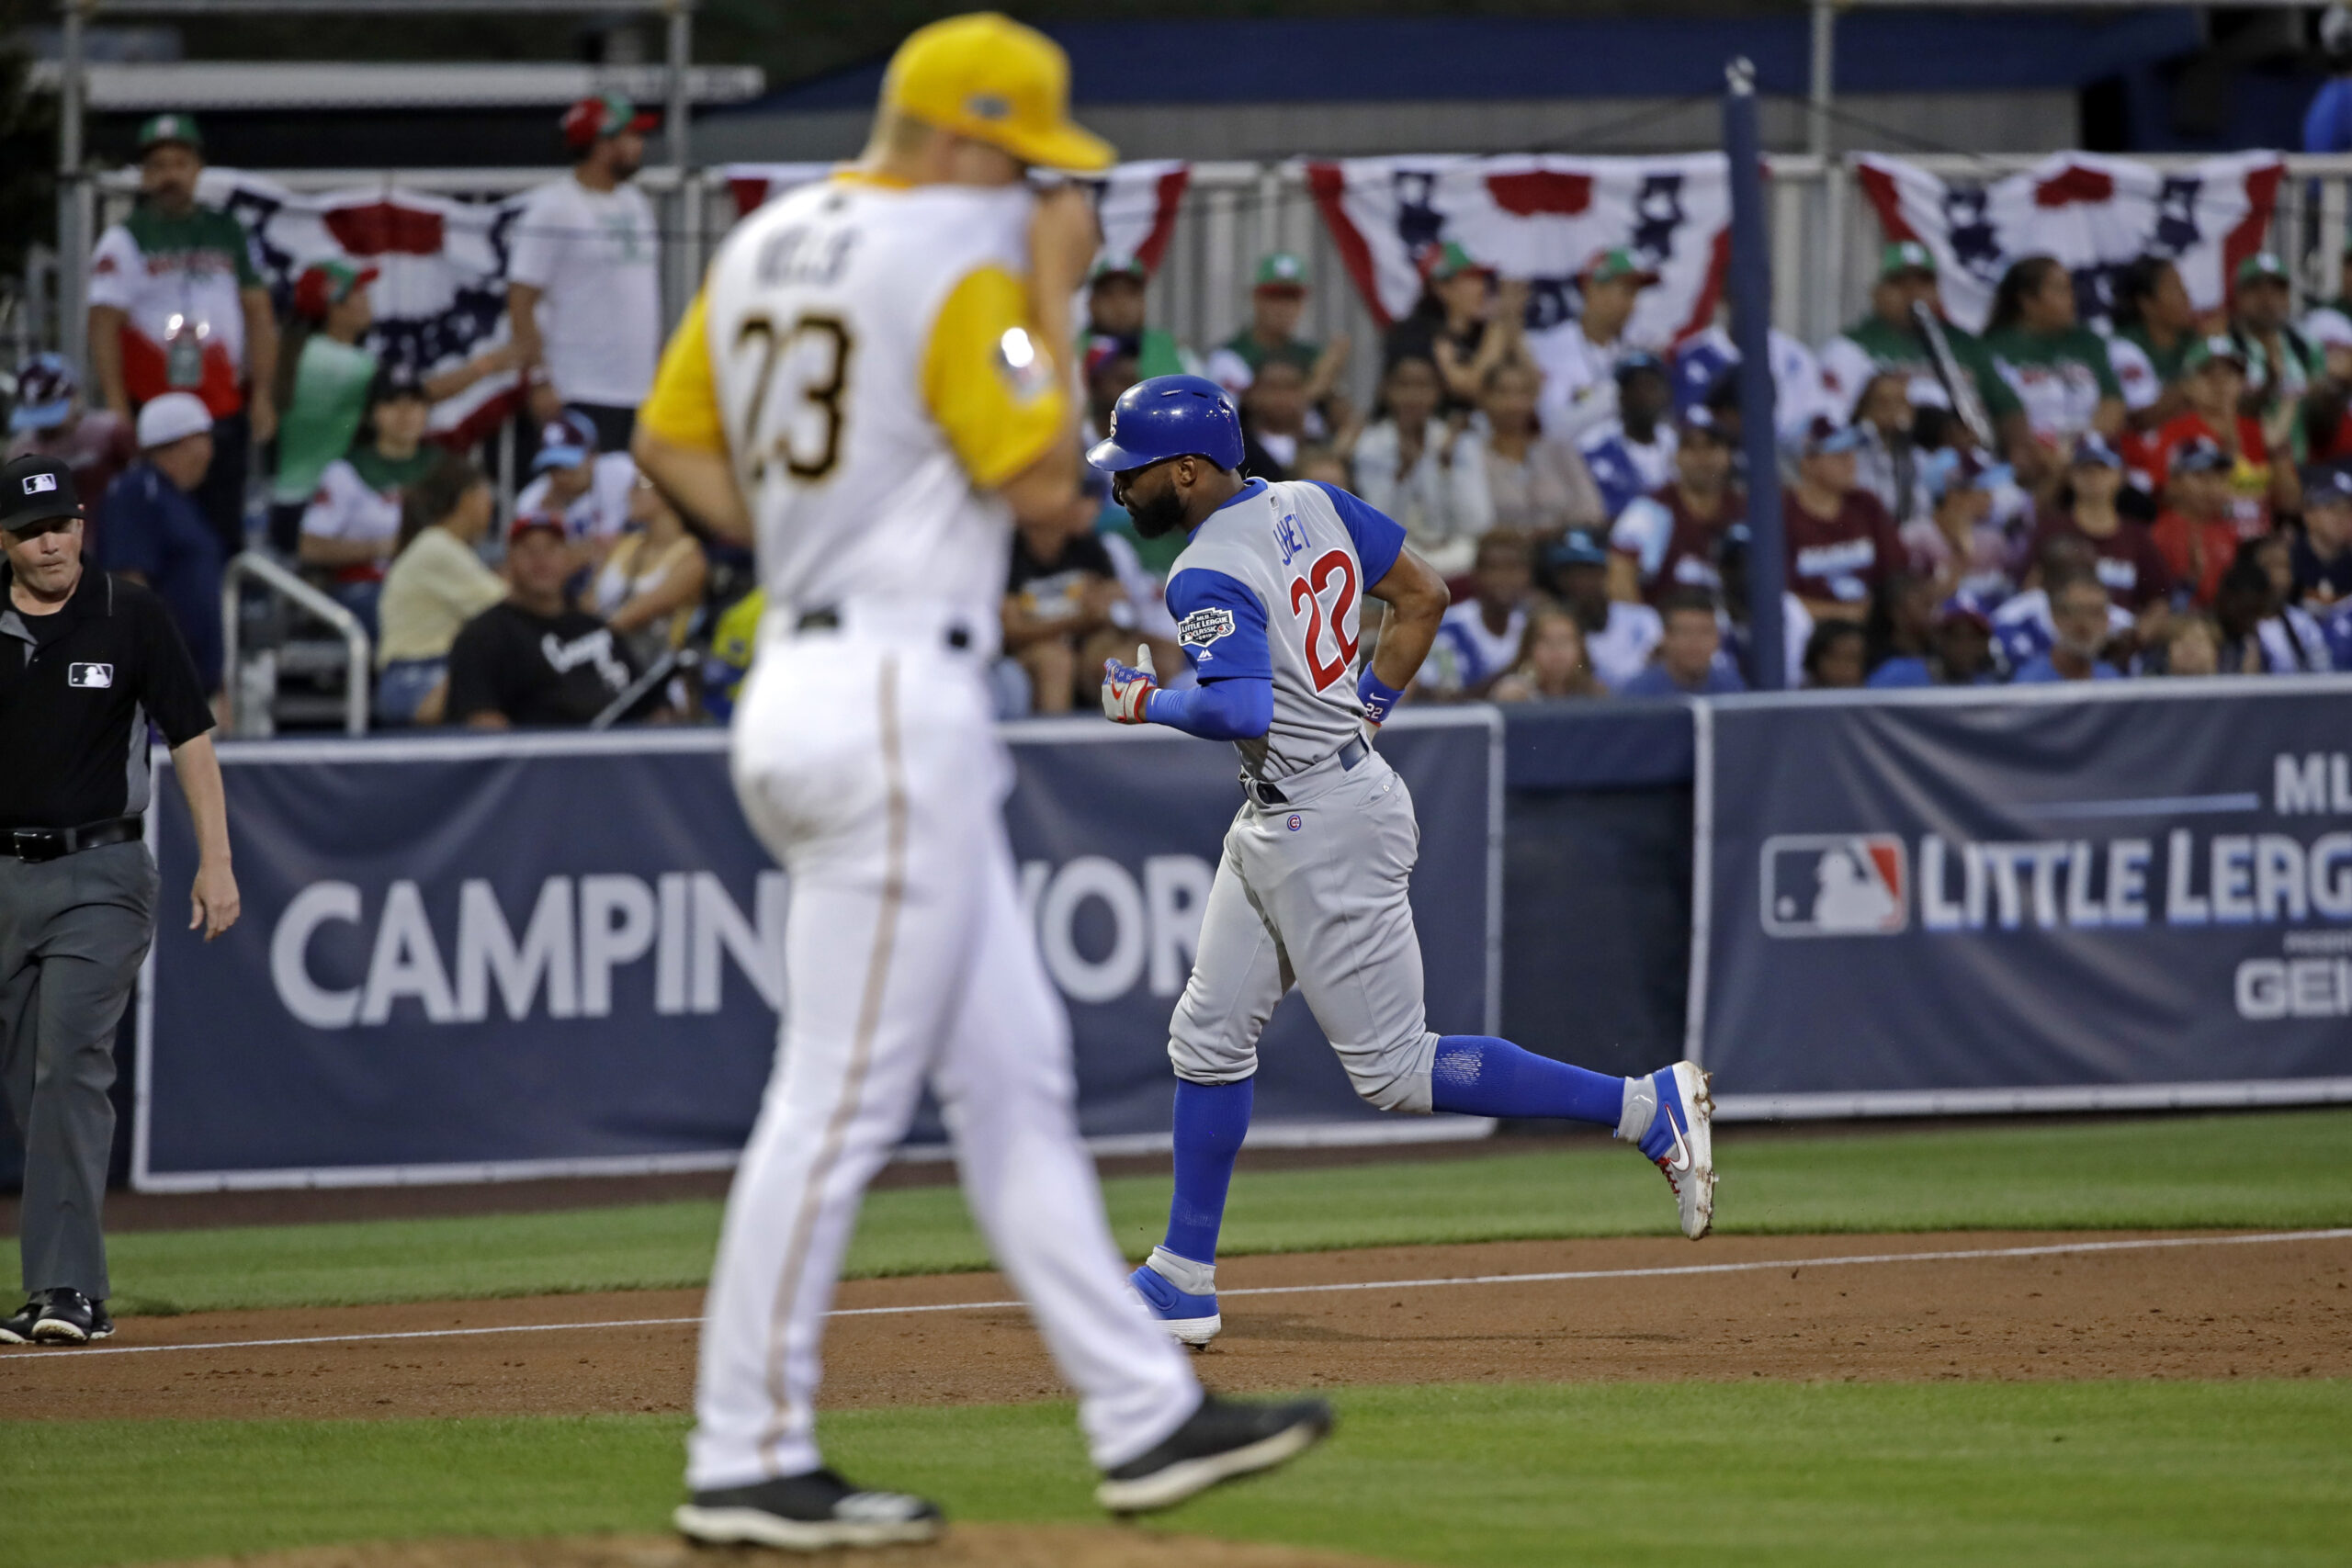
x,y
583,280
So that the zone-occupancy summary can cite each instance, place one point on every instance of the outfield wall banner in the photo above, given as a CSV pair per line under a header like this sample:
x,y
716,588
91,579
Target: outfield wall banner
x,y
1963,901
469,958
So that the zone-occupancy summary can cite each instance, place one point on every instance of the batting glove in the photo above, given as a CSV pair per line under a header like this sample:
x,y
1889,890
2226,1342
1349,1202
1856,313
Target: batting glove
x,y
1125,690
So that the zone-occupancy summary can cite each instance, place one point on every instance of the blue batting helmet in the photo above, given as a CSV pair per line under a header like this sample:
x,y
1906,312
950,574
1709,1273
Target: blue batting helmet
x,y
1171,416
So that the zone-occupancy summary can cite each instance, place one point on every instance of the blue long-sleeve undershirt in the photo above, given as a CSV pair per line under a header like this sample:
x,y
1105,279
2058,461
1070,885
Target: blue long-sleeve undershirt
x,y
1239,707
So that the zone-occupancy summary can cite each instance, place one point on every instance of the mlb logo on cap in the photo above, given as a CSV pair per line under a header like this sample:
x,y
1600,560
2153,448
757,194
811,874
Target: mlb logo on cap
x,y
1835,884
40,484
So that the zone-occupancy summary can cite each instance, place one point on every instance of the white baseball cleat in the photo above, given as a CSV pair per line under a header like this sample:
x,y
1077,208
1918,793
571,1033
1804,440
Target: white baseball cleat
x,y
1681,1143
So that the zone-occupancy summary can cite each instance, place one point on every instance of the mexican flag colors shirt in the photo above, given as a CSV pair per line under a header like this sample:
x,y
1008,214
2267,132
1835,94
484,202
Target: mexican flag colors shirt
x,y
2061,378
1876,347
178,279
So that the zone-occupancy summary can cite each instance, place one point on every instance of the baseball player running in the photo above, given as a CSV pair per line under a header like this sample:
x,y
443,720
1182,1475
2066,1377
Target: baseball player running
x,y
872,383
1312,888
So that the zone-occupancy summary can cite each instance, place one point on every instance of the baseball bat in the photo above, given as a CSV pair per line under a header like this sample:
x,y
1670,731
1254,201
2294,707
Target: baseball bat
x,y
1957,385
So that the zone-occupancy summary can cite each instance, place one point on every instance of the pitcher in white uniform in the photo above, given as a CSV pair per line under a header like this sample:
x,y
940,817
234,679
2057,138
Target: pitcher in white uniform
x,y
872,382
1314,885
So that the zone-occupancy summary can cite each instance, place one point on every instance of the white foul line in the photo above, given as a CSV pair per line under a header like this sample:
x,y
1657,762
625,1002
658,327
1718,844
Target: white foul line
x,y
1750,1267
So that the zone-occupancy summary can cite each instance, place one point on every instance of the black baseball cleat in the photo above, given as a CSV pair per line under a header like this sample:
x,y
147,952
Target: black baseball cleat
x,y
17,1328
1224,1438
69,1317
806,1512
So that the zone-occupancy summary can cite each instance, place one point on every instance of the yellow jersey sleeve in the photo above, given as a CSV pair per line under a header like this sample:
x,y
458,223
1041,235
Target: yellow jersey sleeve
x,y
989,382
683,407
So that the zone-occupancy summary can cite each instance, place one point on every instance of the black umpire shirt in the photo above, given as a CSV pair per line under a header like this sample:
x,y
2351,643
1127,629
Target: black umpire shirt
x,y
77,689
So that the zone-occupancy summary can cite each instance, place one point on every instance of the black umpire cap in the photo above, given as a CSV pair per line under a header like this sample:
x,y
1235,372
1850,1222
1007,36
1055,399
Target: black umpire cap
x,y
36,490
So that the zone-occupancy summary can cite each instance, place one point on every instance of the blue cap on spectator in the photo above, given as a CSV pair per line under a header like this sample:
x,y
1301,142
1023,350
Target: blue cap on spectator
x,y
2091,451
2201,457
1825,437
1639,359
1947,470
45,387
1700,419
2326,487
1963,606
565,442
1576,547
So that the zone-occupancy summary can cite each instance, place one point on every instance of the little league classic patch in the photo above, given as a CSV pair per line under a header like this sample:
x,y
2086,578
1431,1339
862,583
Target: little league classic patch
x,y
1202,627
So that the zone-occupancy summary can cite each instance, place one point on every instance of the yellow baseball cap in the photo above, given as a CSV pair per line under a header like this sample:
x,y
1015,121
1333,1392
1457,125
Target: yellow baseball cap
x,y
987,77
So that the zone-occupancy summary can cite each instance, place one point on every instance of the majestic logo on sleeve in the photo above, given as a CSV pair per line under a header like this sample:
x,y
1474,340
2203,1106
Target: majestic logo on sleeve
x,y
1202,627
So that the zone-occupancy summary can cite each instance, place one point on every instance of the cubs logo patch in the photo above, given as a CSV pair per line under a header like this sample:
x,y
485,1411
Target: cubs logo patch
x,y
1202,627
1297,822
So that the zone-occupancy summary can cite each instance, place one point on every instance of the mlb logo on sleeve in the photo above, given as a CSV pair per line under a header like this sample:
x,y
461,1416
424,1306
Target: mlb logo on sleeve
x,y
36,484
1202,627
96,677
1835,884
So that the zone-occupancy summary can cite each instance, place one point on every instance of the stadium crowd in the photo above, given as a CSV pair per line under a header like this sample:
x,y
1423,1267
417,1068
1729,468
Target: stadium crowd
x,y
2164,492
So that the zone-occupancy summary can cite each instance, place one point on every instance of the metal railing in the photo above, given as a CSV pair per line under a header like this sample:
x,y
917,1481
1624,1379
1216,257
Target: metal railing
x,y
251,712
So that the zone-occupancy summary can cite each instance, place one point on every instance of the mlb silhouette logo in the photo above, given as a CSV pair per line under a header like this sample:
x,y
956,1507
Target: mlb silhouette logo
x,y
90,677
1835,884
41,484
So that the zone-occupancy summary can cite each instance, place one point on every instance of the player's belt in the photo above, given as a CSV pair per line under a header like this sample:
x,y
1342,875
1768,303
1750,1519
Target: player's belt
x,y
1264,794
53,843
829,619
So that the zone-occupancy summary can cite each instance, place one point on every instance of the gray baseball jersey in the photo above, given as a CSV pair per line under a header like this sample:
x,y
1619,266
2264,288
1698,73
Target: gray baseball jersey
x,y
1272,586
1312,888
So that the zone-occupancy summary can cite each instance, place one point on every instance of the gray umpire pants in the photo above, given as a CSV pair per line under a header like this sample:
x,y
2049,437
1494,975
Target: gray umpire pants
x,y
74,932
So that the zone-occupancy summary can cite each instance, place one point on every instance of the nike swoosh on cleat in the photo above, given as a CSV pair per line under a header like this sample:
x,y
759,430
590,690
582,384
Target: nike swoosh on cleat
x,y
1681,1159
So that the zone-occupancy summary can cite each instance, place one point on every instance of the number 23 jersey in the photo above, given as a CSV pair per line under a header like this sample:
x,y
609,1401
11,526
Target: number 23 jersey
x,y
860,352
1271,587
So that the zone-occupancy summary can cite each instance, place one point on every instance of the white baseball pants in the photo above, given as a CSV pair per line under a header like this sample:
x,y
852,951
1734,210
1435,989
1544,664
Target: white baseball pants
x,y
867,762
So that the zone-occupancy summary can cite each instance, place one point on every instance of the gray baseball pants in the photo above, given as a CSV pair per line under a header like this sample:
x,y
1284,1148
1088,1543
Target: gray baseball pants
x,y
1315,891
74,932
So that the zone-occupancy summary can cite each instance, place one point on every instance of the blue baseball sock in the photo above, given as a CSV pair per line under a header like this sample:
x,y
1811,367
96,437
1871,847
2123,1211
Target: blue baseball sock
x,y
1478,1074
1210,1120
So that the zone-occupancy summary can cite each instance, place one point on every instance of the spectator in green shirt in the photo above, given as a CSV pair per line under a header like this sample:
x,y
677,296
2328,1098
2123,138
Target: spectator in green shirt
x,y
2283,366
1114,308
324,371
2155,322
1887,343
1277,300
2058,367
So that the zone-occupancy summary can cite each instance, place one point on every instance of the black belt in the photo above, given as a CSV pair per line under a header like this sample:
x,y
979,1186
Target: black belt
x,y
52,843
1264,794
830,620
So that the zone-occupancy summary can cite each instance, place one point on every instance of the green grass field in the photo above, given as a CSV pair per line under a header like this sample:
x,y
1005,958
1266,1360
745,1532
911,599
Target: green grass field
x,y
2202,1171
2145,1474
2142,1474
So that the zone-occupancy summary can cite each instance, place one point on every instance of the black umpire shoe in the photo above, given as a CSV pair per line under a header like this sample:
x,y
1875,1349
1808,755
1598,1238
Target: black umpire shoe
x,y
1224,1438
69,1317
805,1513
17,1328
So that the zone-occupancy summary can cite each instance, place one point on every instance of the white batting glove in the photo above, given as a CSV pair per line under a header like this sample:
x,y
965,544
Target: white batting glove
x,y
1126,689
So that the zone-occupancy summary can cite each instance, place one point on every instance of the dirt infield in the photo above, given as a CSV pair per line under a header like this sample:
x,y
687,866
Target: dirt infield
x,y
2119,1308
965,1546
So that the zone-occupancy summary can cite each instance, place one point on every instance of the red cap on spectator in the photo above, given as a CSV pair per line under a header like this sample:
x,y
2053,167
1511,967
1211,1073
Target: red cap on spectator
x,y
527,521
607,114
324,285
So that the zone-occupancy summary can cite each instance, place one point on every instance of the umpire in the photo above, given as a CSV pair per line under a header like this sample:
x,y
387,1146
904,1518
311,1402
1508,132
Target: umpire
x,y
87,661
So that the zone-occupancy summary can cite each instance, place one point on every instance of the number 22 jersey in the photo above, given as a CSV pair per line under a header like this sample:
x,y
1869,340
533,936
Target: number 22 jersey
x,y
1271,587
860,353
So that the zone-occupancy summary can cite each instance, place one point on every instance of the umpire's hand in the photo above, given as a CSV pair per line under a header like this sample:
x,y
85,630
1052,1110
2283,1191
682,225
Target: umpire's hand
x,y
213,904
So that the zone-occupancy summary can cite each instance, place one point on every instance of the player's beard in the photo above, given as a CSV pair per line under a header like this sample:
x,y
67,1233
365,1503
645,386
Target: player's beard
x,y
1158,516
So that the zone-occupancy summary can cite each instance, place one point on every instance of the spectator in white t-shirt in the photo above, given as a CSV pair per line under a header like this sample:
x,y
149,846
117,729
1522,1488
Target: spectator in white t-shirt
x,y
350,529
1578,358
1423,471
584,277
589,490
1619,637
1479,639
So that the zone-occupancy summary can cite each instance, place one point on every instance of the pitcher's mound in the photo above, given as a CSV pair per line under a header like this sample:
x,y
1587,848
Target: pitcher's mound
x,y
965,1546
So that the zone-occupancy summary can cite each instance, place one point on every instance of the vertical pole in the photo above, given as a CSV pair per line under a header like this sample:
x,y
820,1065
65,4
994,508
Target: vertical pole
x,y
1750,282
1827,307
1824,84
685,246
73,204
